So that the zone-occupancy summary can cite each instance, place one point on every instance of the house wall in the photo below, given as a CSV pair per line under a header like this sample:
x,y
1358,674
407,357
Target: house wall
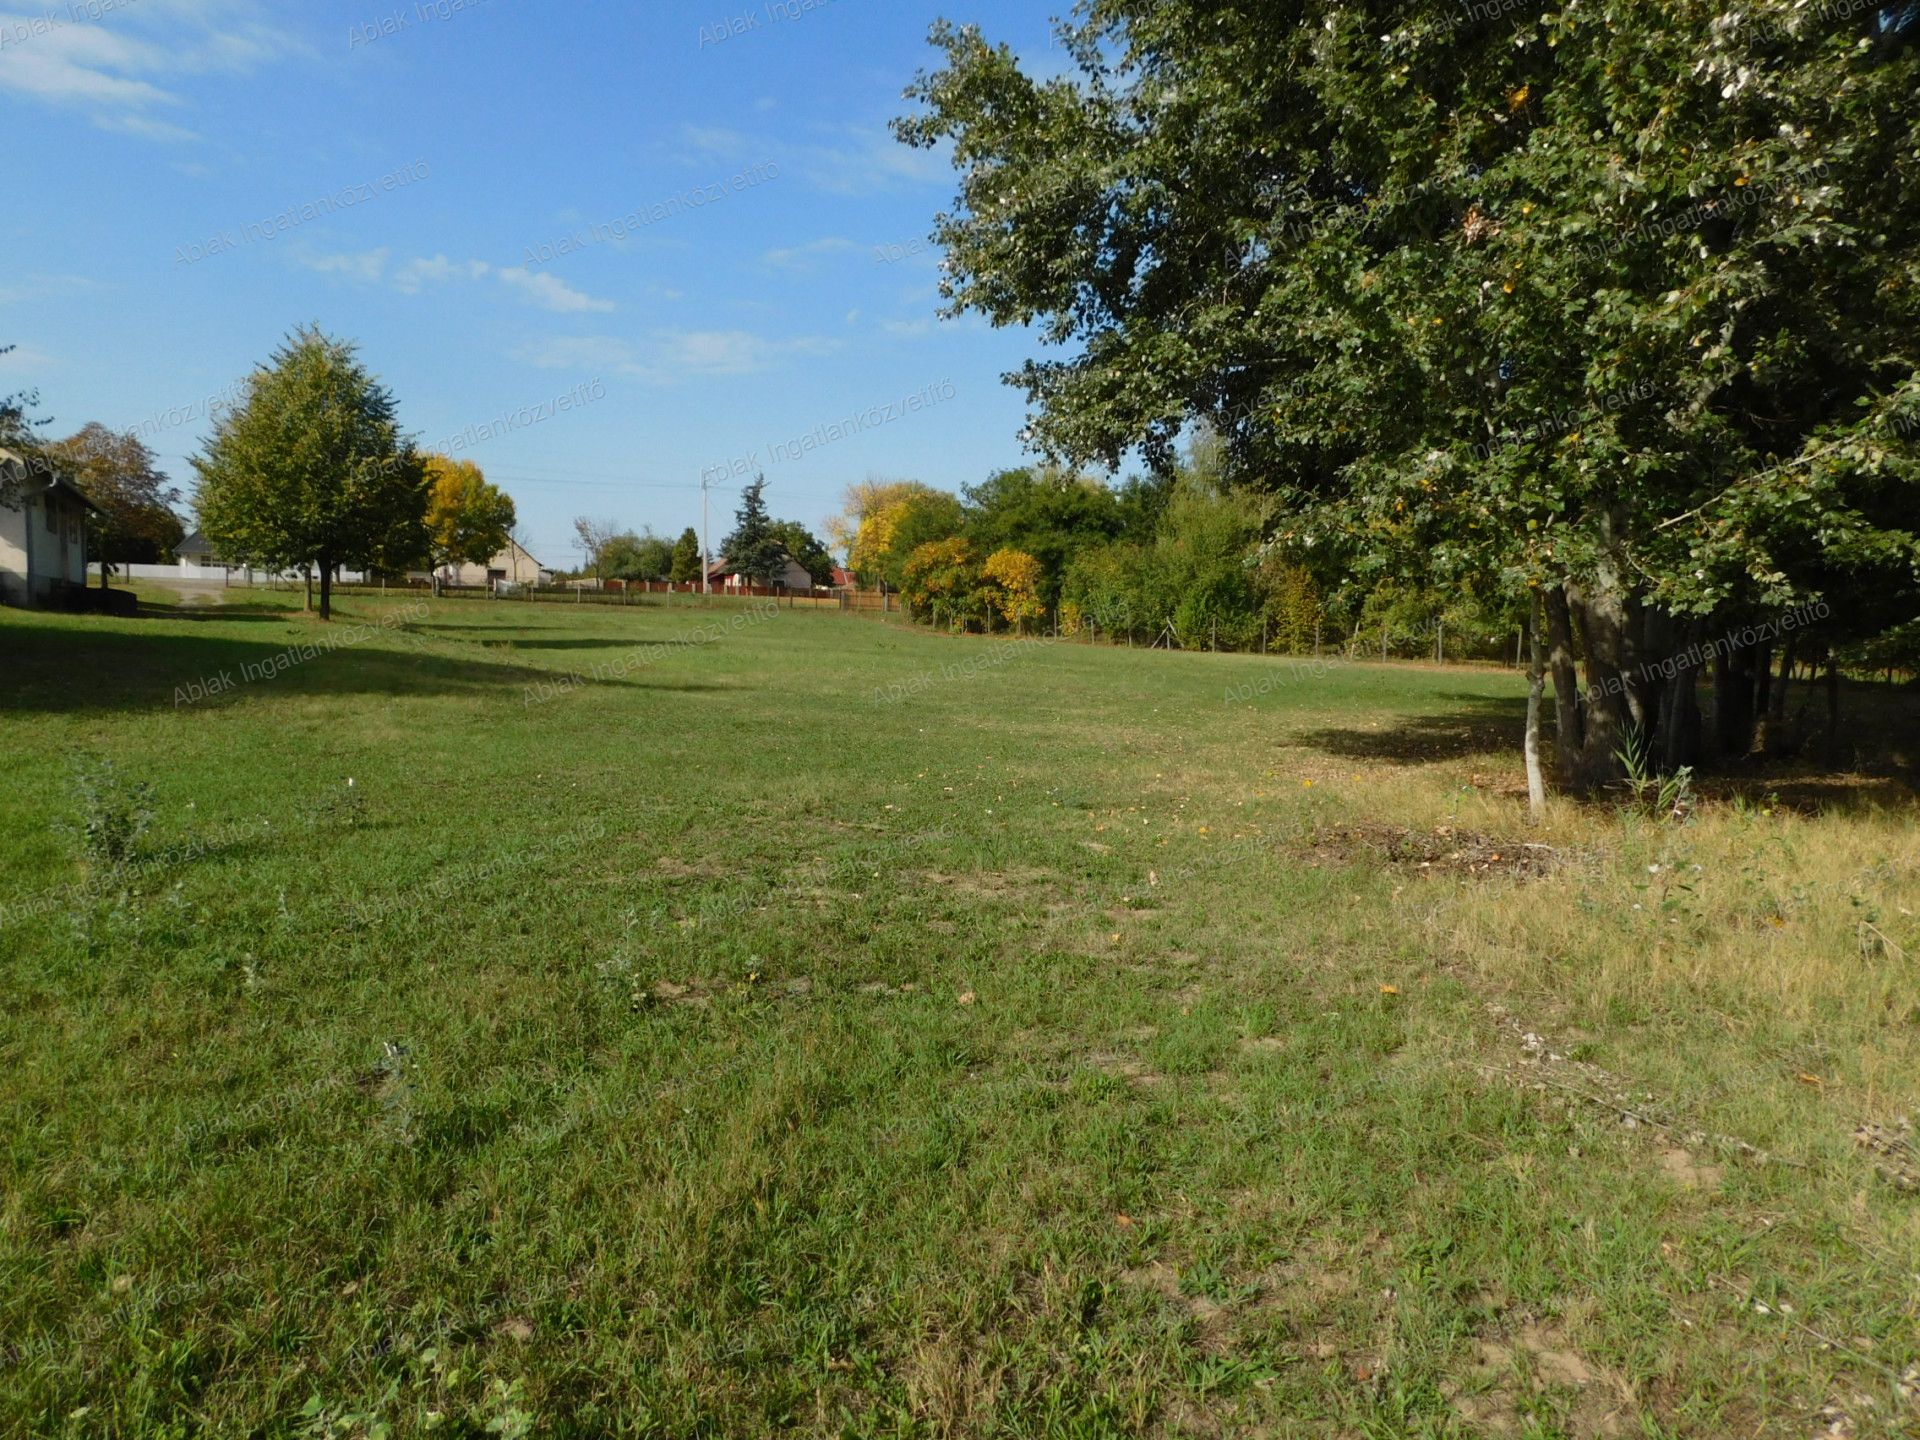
x,y
13,556
63,534
513,563
42,543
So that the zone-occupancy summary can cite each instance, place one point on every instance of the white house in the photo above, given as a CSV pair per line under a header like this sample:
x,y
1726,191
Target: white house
x,y
512,566
43,535
792,577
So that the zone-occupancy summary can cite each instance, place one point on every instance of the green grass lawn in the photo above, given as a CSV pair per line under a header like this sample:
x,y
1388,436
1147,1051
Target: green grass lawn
x,y
807,1025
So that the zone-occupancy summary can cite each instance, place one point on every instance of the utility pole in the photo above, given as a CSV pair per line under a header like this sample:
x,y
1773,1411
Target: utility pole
x,y
706,556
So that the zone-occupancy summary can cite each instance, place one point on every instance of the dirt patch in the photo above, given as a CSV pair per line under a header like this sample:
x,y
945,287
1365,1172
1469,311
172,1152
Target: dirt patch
x,y
1445,850
1211,1318
1893,1152
695,994
1125,1067
1687,1172
991,884
681,869
1507,1373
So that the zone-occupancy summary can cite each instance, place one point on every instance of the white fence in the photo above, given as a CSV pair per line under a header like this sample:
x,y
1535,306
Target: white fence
x,y
236,576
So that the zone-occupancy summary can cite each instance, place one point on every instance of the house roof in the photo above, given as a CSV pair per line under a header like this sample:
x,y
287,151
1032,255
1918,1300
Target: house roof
x,y
58,481
724,566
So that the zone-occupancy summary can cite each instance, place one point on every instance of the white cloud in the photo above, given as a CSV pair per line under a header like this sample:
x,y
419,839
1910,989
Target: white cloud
x,y
417,274
548,292
552,293
369,266
800,257
120,66
846,160
859,160
24,359
667,356
43,287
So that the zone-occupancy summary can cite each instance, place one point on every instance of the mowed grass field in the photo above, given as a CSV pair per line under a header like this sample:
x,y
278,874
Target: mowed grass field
x,y
813,1026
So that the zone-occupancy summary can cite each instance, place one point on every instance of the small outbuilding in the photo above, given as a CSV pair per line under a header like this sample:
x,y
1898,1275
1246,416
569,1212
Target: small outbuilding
x,y
43,535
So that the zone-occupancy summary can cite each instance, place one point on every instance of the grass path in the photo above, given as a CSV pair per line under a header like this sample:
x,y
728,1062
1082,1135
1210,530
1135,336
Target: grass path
x,y
1064,1048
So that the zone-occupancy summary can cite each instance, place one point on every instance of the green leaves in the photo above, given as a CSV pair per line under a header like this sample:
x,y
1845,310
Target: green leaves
x,y
312,466
1613,264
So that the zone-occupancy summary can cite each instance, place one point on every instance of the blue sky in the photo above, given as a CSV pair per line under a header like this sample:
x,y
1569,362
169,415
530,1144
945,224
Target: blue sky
x,y
711,246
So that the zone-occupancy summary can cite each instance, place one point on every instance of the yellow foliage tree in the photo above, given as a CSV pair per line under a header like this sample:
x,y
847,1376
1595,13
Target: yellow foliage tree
x,y
939,581
877,511
468,520
1013,578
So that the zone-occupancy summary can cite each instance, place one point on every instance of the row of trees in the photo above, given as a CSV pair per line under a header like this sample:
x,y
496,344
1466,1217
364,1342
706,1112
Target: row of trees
x,y
1602,313
310,470
758,548
1181,557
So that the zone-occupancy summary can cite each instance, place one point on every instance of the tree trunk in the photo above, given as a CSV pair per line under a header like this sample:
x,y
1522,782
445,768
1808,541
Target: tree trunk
x,y
326,590
1833,706
306,572
1679,730
1782,688
1609,721
1536,689
1733,702
1566,686
104,567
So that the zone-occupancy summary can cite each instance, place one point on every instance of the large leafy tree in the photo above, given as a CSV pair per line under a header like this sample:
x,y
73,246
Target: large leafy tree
x,y
754,549
469,521
311,468
135,522
1606,308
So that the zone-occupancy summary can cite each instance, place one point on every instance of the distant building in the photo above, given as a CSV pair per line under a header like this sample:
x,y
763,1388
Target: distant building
x,y
43,536
512,566
195,554
792,577
196,559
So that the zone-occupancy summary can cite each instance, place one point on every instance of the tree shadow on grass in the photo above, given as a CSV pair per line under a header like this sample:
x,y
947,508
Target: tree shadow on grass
x,y
1496,726
1483,725
629,643
67,670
